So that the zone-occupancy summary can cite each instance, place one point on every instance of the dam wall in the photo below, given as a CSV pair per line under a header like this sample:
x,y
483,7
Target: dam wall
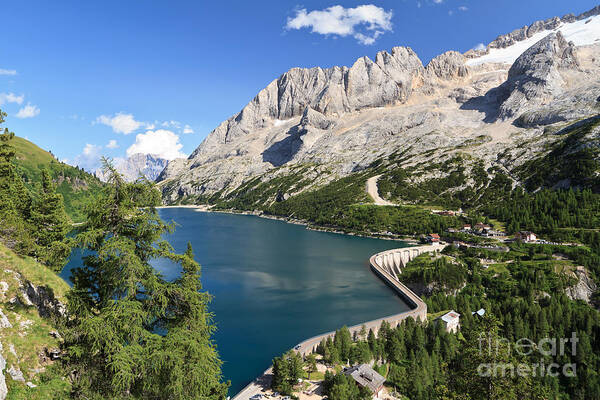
x,y
387,266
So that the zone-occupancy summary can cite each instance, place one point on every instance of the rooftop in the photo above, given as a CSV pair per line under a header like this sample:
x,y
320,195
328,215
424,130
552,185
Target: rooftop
x,y
450,316
366,376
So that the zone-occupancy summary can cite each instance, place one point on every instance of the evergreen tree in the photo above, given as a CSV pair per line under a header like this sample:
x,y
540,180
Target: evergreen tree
x,y
342,342
50,225
287,369
15,201
133,335
311,364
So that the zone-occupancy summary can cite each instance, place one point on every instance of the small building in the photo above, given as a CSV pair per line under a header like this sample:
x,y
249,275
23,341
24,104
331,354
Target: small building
x,y
451,320
481,227
367,377
526,236
466,228
433,238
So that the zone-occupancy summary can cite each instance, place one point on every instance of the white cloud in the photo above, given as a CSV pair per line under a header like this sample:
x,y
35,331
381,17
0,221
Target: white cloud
x,y
120,122
91,149
187,129
161,142
11,98
89,159
169,124
438,1
112,144
480,46
365,23
7,71
29,111
463,8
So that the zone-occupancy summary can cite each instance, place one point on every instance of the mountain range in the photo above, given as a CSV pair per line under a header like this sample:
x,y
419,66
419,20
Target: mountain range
x,y
136,165
503,107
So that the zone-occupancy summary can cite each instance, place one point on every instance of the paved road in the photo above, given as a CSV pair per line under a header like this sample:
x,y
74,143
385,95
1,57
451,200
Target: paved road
x,y
418,311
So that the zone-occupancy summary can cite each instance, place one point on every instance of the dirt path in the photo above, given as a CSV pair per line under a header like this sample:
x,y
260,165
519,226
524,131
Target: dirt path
x,y
374,193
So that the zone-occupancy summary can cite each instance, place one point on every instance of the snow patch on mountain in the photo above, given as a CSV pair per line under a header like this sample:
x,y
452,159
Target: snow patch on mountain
x,y
582,33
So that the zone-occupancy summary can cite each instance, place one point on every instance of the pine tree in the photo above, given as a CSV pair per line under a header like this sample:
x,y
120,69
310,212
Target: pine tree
x,y
15,201
311,364
343,342
131,333
51,225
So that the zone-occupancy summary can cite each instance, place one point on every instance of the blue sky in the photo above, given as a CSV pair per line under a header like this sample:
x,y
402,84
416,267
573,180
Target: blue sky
x,y
83,78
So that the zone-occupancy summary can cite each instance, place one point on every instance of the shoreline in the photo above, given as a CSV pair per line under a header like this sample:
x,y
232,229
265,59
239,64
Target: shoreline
x,y
417,307
208,208
417,310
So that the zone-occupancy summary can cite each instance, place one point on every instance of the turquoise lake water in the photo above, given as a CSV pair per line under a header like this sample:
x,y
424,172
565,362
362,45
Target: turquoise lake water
x,y
275,284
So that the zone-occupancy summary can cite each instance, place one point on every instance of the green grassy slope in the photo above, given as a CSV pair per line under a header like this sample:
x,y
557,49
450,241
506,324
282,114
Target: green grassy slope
x,y
76,186
26,340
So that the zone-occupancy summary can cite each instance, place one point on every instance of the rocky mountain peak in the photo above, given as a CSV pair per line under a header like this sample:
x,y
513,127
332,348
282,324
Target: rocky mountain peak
x,y
341,119
450,65
332,91
314,118
536,75
149,165
583,29
551,52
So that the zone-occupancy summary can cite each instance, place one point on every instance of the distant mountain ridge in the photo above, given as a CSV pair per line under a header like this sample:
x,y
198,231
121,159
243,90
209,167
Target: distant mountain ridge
x,y
148,165
342,119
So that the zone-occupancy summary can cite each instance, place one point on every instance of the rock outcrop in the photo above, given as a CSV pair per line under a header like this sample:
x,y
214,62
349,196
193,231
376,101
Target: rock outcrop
x,y
584,288
3,388
535,79
333,91
340,120
449,66
43,299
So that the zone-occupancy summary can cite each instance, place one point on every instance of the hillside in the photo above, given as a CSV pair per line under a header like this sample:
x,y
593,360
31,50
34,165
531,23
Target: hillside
x,y
29,295
508,109
75,185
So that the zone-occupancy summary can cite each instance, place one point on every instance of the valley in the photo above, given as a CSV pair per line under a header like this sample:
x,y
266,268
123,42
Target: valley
x,y
402,228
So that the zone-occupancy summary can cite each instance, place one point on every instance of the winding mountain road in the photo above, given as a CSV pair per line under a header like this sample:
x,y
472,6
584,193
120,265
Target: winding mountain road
x,y
374,192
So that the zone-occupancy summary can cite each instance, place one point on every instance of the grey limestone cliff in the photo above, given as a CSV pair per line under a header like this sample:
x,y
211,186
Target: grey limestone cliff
x,y
340,120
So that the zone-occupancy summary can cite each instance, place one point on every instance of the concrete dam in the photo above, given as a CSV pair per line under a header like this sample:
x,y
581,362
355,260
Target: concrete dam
x,y
387,266
393,261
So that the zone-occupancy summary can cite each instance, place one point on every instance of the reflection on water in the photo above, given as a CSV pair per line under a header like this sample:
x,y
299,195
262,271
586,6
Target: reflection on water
x,y
275,284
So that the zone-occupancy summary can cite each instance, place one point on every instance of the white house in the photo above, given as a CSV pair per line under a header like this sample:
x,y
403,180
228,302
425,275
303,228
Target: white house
x,y
451,320
526,236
